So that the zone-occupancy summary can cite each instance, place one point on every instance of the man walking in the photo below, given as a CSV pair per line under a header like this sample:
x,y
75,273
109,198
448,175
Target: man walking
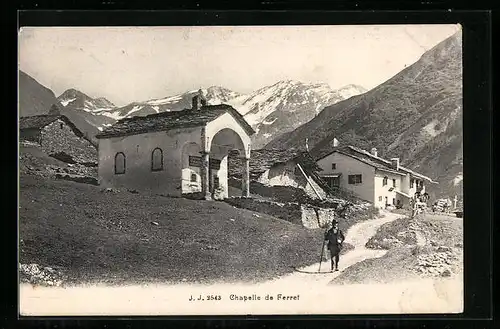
x,y
335,238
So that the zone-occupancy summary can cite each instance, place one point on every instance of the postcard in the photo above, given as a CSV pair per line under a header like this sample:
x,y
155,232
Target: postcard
x,y
236,170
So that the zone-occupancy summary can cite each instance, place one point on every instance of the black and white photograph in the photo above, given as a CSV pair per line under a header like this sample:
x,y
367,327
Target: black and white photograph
x,y
236,170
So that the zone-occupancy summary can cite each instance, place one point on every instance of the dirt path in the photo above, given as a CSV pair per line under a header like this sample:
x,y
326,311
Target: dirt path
x,y
357,236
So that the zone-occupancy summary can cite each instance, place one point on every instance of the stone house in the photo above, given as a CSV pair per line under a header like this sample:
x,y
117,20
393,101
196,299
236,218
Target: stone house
x,y
56,135
176,153
284,168
380,181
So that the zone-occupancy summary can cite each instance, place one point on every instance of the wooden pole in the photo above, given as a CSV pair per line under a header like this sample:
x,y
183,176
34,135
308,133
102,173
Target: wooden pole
x,y
309,181
322,252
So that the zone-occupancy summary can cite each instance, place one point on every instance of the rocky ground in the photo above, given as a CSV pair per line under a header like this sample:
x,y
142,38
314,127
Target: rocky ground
x,y
41,275
441,261
428,246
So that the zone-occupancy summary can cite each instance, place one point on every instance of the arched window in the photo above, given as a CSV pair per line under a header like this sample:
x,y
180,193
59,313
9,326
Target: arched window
x,y
157,160
384,183
120,163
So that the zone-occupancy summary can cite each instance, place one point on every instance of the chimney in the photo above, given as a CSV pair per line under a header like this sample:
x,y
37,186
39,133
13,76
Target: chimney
x,y
395,163
199,101
196,103
374,151
307,144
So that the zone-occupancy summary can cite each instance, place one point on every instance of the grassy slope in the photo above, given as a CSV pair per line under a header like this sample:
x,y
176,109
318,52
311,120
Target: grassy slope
x,y
398,262
109,236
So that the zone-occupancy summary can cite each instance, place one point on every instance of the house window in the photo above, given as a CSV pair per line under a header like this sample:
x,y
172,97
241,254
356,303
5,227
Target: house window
x,y
120,163
334,166
380,198
384,182
412,181
393,182
354,179
333,182
157,160
194,178
394,201
61,125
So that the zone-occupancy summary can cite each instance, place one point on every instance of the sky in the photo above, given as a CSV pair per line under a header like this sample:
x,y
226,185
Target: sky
x,y
127,64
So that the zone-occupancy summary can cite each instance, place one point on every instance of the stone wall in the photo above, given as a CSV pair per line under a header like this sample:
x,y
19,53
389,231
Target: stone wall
x,y
291,212
278,193
32,135
304,215
58,137
314,217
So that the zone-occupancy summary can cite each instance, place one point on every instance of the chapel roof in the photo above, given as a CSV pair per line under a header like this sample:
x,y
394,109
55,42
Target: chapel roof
x,y
165,121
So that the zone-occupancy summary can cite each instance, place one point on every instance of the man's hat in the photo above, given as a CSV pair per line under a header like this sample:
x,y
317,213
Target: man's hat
x,y
334,222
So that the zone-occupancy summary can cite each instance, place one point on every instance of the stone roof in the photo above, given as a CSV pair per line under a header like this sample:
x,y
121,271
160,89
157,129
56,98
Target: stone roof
x,y
37,121
374,161
173,120
40,121
264,159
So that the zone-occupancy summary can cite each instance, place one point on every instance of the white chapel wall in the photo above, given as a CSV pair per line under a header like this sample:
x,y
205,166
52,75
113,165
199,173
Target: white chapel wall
x,y
138,150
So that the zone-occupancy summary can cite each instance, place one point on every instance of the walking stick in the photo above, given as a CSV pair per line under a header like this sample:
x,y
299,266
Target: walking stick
x,y
322,252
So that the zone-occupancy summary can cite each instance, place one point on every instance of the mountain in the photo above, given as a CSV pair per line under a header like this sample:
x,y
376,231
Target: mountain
x,y
282,107
214,95
271,110
73,98
85,112
92,115
34,99
90,110
416,116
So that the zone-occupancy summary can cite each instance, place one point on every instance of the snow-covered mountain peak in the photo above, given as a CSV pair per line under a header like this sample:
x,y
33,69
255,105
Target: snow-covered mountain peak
x,y
77,100
271,110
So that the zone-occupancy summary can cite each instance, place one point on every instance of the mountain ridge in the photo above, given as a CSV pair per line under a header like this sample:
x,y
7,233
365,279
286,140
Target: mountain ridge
x,y
267,109
33,97
415,115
